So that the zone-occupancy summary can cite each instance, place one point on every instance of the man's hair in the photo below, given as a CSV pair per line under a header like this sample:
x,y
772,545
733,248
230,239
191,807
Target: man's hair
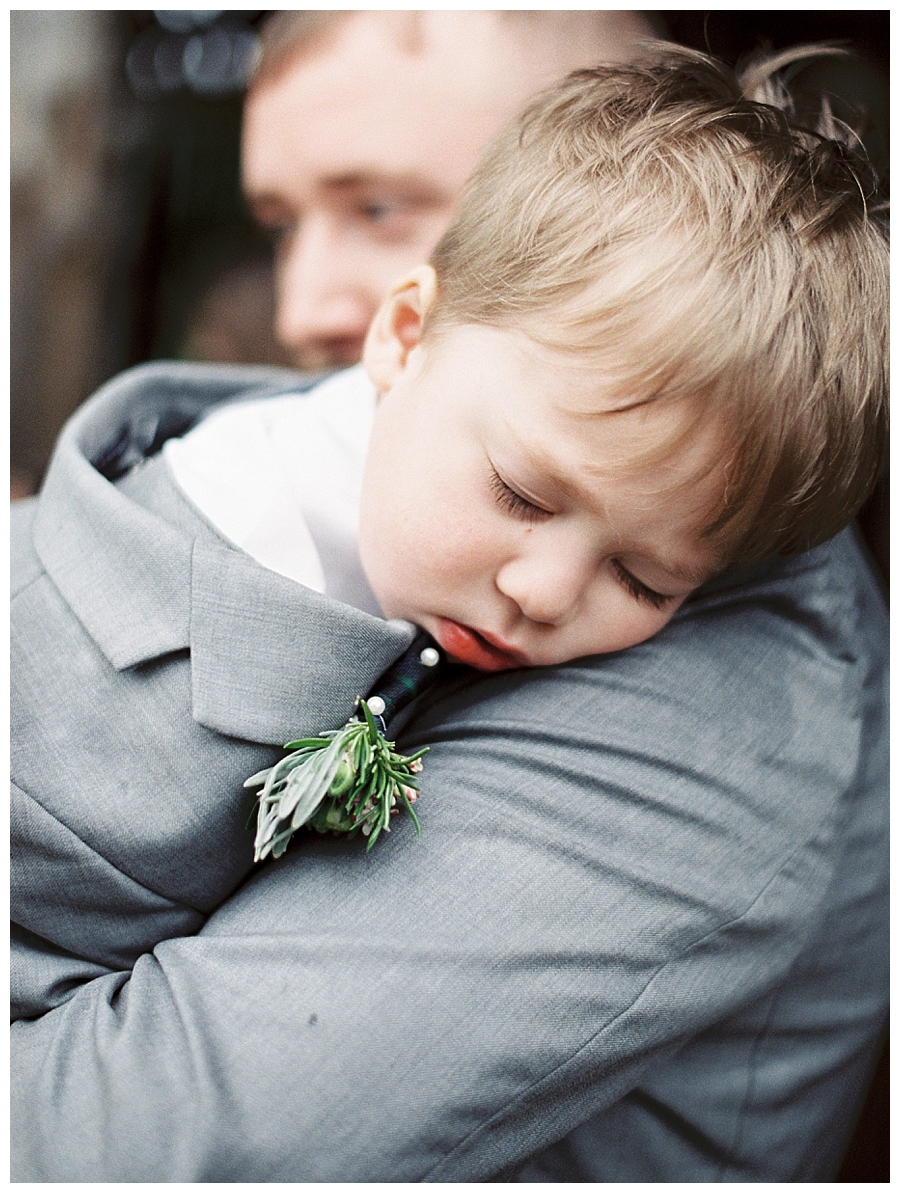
x,y
673,219
585,35
287,34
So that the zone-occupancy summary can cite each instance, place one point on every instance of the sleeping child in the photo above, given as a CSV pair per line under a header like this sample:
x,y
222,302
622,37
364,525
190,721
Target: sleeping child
x,y
650,349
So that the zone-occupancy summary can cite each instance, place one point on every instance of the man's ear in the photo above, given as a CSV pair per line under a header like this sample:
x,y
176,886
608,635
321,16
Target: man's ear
x,y
397,326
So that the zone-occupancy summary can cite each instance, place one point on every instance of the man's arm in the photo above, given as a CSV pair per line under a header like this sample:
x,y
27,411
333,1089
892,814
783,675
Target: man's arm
x,y
615,854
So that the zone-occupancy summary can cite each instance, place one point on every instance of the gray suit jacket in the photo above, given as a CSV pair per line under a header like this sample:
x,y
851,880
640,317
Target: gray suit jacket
x,y
160,666
643,936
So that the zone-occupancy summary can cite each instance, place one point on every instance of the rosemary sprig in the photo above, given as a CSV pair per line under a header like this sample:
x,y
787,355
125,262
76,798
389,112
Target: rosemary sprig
x,y
347,780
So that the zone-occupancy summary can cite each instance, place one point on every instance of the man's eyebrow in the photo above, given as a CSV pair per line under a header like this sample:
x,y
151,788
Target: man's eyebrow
x,y
412,183
413,186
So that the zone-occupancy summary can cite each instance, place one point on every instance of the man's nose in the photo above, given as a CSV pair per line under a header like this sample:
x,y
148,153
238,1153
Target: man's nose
x,y
323,311
548,586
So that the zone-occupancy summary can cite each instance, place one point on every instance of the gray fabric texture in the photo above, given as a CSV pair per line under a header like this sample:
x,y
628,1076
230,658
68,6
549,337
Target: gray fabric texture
x,y
643,935
162,667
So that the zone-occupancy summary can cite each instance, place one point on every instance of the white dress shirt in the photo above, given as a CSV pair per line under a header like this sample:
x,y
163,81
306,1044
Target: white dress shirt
x,y
281,479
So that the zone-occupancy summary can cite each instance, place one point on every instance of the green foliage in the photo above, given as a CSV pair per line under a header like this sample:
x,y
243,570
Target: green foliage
x,y
348,780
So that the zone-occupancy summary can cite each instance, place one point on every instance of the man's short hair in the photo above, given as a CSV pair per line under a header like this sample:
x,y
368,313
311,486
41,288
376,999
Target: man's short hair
x,y
674,220
286,34
587,34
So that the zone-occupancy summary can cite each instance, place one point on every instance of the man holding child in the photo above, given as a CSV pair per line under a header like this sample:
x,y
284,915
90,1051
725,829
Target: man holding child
x,y
617,425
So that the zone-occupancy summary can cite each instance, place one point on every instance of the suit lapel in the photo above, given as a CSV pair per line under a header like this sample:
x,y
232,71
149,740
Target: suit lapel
x,y
271,660
124,572
146,577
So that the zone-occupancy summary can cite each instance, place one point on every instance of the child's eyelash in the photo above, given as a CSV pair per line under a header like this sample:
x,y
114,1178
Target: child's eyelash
x,y
512,502
640,591
520,507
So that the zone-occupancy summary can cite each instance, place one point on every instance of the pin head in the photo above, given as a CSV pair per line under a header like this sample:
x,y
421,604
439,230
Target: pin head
x,y
429,657
376,705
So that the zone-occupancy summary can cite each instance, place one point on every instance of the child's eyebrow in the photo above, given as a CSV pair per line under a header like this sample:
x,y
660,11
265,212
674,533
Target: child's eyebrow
x,y
686,575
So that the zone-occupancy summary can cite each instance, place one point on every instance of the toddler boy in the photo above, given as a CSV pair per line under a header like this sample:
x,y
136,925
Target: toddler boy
x,y
651,347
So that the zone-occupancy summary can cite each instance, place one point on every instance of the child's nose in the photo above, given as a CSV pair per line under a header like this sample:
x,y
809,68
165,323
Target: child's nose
x,y
548,588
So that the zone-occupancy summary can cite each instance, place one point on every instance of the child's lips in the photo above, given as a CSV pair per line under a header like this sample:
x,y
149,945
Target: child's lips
x,y
476,648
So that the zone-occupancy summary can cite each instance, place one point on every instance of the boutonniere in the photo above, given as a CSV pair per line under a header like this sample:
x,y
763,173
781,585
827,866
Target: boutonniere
x,y
349,780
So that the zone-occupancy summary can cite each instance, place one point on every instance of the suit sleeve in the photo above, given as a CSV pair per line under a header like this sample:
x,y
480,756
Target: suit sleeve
x,y
615,854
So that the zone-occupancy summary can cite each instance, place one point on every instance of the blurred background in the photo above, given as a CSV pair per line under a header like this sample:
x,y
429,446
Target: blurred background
x,y
130,240
125,207
129,237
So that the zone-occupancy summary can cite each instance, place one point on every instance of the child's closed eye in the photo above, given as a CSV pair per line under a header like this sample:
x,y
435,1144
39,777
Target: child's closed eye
x,y
514,503
520,507
638,590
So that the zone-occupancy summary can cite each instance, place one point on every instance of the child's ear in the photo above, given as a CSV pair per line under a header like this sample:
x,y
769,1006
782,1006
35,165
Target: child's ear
x,y
397,326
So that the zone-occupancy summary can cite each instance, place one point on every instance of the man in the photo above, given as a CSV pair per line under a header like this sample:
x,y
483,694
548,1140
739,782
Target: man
x,y
360,130
642,936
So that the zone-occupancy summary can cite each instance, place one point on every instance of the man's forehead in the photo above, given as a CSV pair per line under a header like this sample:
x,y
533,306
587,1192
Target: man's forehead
x,y
366,98
364,55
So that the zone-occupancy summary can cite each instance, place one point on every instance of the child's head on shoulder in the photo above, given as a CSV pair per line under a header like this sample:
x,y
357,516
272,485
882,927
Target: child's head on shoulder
x,y
652,345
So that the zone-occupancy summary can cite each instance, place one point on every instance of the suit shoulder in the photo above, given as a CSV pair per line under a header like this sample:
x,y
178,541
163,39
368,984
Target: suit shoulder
x,y
177,377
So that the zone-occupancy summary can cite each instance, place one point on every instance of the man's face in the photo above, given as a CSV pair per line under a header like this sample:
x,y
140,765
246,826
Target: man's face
x,y
509,509
356,153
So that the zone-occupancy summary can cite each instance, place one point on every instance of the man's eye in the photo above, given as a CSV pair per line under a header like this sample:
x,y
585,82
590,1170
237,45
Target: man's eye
x,y
640,591
380,213
392,220
390,216
514,503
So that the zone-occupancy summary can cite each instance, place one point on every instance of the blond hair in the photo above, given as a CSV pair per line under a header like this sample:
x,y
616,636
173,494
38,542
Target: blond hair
x,y
672,218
